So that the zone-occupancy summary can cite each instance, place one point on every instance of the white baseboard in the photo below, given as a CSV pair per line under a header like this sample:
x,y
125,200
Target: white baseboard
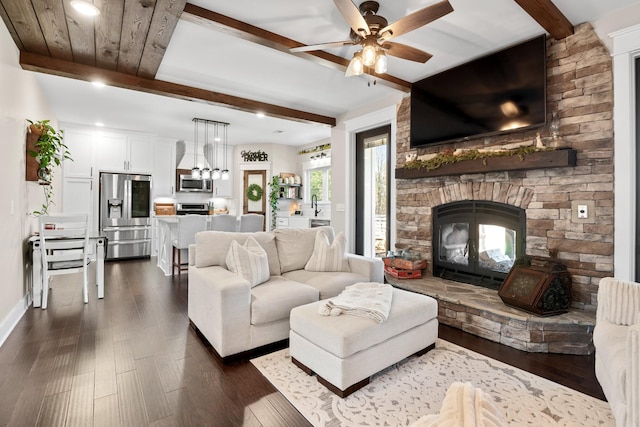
x,y
10,322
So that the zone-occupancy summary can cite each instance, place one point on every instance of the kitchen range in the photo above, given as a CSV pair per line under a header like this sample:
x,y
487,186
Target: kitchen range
x,y
125,214
192,208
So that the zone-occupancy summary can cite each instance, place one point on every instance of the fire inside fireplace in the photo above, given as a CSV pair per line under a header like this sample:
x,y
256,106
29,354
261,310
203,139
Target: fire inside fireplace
x,y
477,242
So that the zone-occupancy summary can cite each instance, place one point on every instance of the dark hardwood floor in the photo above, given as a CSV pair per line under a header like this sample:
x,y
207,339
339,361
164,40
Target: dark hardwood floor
x,y
132,360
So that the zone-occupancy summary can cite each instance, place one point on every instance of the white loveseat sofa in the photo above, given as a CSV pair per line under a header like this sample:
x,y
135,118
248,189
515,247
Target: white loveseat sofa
x,y
616,338
236,317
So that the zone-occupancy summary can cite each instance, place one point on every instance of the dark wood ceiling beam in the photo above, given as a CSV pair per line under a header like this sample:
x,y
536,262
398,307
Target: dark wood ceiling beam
x,y
227,25
48,65
164,21
548,16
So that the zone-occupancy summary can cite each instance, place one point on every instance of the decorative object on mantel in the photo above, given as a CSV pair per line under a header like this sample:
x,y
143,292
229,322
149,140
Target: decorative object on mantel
x,y
543,289
45,149
254,156
476,161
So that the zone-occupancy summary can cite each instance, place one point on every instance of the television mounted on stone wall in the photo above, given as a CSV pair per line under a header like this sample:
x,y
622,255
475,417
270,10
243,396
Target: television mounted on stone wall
x,y
498,93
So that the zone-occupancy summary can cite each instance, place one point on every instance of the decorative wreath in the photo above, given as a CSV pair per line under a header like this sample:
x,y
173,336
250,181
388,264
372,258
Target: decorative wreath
x,y
254,192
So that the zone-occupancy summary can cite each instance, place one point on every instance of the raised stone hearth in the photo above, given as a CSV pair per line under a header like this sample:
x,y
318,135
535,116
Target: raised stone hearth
x,y
481,312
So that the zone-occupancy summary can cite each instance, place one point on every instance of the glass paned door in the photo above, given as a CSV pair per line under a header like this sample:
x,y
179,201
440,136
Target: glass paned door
x,y
496,247
372,192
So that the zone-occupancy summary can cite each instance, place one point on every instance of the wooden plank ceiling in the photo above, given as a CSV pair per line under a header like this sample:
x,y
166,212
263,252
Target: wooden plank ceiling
x,y
125,44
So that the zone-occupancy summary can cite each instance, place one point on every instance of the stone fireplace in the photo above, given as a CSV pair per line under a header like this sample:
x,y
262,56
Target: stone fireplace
x,y
580,91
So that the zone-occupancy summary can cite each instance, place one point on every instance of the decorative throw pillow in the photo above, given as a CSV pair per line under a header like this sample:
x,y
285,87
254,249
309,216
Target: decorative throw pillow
x,y
328,257
248,261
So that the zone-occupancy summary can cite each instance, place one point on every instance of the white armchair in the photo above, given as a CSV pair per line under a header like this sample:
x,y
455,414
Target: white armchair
x,y
616,338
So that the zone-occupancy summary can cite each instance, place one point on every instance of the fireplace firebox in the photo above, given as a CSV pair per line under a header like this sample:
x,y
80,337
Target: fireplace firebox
x,y
477,242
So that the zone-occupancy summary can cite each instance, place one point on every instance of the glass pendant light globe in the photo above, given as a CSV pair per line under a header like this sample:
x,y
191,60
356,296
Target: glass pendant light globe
x,y
216,173
356,65
206,173
369,54
381,62
195,173
225,174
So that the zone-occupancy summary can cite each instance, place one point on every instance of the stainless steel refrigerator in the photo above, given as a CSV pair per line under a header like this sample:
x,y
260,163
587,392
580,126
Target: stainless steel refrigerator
x,y
125,214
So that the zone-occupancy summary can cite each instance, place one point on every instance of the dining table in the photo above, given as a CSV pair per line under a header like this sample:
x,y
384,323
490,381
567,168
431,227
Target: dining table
x,y
98,245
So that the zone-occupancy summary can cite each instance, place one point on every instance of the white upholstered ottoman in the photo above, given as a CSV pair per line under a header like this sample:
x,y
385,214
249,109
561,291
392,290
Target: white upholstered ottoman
x,y
344,351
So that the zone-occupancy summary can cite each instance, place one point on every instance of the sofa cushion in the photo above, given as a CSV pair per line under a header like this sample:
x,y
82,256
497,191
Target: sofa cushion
x,y
248,261
274,299
328,256
295,246
329,284
212,248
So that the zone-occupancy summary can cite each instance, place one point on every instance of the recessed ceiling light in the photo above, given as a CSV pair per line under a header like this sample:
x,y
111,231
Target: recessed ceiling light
x,y
98,83
260,115
278,131
99,124
85,8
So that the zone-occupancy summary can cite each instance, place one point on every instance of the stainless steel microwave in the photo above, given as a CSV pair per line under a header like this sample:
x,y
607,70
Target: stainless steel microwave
x,y
188,184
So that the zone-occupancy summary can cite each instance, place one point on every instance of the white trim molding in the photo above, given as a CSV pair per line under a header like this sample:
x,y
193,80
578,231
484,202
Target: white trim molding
x,y
626,48
14,316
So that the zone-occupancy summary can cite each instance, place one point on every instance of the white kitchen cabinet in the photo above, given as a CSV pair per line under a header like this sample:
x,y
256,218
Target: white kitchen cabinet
x,y
78,196
80,145
122,153
164,170
292,222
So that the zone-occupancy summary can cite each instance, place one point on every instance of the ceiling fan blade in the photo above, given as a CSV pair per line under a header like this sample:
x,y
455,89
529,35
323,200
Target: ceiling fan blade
x,y
322,46
406,52
352,15
416,20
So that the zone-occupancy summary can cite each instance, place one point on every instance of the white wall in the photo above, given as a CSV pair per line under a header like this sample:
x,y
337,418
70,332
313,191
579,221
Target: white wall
x,y
626,48
343,170
21,99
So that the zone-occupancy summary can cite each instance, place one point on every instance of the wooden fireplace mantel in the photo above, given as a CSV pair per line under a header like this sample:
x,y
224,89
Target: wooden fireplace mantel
x,y
540,160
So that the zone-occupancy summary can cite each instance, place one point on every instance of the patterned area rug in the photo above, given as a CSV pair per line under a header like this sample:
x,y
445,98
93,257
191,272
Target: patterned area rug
x,y
401,394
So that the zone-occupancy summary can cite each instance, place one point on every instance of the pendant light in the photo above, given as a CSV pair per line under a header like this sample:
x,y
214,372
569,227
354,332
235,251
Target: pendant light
x,y
195,171
216,138
206,172
225,171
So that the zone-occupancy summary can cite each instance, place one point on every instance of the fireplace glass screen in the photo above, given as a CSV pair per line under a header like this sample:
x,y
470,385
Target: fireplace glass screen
x,y
477,241
455,243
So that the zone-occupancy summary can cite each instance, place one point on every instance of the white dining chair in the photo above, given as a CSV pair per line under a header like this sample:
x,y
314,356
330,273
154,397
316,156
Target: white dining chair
x,y
223,222
251,223
64,249
188,226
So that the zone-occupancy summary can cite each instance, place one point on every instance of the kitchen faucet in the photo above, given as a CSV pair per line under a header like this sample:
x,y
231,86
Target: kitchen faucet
x,y
314,199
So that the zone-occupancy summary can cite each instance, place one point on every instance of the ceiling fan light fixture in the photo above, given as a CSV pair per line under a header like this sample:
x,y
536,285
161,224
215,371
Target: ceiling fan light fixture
x,y
85,7
356,67
381,62
369,53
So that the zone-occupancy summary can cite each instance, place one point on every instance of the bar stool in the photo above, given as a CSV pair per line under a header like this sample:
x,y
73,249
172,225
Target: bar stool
x,y
188,226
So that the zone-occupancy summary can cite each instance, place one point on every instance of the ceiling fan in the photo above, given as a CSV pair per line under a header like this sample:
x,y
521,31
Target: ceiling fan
x,y
373,32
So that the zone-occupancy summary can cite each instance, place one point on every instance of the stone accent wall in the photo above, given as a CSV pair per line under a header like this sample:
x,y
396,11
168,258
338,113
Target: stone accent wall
x,y
580,90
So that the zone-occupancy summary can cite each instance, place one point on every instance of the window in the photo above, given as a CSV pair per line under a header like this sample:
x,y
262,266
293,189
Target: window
x,y
319,183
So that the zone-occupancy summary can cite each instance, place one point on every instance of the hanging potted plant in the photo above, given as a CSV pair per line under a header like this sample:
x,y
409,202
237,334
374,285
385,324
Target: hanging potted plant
x,y
48,150
273,200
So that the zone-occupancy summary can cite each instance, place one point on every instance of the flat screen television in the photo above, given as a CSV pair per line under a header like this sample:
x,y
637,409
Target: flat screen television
x,y
501,92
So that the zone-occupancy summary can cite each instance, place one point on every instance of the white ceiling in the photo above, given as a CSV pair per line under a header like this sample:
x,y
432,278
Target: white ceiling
x,y
209,59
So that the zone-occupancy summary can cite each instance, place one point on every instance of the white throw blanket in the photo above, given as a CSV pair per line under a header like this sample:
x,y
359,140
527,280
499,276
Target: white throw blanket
x,y
362,299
